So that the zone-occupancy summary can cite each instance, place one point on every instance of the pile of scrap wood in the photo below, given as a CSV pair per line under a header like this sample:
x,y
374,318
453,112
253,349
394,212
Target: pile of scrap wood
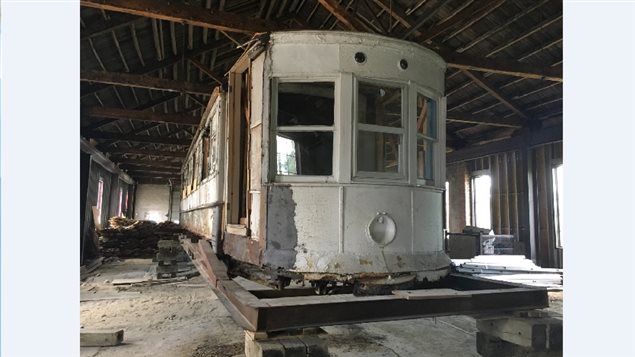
x,y
129,238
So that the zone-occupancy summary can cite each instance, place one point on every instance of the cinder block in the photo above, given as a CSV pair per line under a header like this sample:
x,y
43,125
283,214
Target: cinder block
x,y
263,348
526,332
316,347
490,346
293,347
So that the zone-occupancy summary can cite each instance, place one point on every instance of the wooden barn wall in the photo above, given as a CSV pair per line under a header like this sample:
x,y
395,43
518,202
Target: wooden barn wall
x,y
110,203
510,201
544,158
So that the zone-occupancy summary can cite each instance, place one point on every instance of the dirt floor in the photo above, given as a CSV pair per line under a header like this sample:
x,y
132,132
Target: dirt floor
x,y
185,319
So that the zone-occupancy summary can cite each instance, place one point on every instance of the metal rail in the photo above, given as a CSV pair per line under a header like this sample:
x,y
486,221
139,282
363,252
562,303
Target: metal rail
x,y
295,308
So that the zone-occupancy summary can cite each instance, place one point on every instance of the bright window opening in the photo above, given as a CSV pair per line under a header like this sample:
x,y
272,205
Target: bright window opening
x,y
379,128
447,206
285,156
557,203
100,196
481,201
304,138
119,206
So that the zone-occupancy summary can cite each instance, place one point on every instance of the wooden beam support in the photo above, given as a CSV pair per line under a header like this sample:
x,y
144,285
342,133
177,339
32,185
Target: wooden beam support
x,y
168,61
159,181
101,27
148,82
151,163
155,168
486,84
501,66
137,138
467,62
525,140
128,114
208,72
475,10
469,118
154,174
347,19
179,12
148,152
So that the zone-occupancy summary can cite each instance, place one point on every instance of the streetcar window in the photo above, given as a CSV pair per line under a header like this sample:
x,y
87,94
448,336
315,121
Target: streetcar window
x,y
304,137
380,129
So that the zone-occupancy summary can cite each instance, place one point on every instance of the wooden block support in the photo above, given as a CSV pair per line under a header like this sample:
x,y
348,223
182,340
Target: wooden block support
x,y
98,338
531,334
490,346
261,344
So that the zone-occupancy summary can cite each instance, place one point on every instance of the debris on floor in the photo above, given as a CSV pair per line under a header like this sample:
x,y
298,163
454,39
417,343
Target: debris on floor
x,y
510,268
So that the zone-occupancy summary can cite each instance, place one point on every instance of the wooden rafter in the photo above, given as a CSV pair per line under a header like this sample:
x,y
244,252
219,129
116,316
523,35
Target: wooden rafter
x,y
476,10
467,62
186,14
148,152
206,70
486,84
141,162
154,173
97,28
469,118
137,138
145,166
168,61
143,81
117,113
347,19
501,66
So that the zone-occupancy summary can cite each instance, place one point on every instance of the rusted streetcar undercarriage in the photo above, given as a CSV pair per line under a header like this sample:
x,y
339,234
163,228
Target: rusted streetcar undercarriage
x,y
328,303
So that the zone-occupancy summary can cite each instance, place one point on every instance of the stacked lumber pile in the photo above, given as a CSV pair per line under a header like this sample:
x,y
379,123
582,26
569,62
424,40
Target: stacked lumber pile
x,y
510,268
129,238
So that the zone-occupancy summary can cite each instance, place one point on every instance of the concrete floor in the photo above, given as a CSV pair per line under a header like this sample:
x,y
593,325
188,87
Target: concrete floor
x,y
186,319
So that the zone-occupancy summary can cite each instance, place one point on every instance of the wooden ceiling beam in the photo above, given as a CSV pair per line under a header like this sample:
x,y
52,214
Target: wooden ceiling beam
x,y
346,18
206,70
137,138
153,173
469,118
118,113
101,27
158,181
149,152
179,12
145,167
476,10
157,65
154,163
501,66
466,62
486,84
143,81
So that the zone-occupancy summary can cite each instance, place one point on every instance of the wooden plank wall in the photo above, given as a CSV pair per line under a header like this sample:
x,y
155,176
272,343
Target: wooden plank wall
x,y
508,188
509,202
544,157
